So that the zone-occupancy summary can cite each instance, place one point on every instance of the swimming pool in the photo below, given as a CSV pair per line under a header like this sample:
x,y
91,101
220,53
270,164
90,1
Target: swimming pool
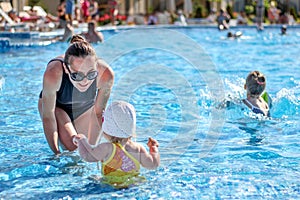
x,y
175,77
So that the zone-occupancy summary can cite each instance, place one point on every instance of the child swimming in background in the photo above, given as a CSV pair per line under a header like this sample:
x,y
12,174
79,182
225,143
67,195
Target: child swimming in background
x,y
121,157
256,100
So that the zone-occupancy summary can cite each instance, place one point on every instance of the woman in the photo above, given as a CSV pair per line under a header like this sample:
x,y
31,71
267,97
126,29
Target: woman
x,y
76,88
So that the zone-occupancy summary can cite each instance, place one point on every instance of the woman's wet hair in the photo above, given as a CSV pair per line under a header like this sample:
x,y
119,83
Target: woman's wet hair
x,y
79,49
256,83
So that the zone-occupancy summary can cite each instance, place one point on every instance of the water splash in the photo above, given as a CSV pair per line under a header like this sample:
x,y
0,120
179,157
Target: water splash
x,y
286,103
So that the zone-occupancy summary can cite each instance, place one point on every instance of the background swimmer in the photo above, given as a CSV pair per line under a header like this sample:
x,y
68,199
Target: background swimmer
x,y
255,86
234,35
283,29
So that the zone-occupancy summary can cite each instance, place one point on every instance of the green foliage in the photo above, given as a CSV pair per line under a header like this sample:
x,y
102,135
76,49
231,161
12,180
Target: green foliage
x,y
254,3
150,9
37,3
33,2
229,11
294,13
267,4
198,10
249,9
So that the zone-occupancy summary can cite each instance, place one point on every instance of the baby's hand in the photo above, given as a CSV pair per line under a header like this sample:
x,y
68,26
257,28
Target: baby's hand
x,y
152,144
78,137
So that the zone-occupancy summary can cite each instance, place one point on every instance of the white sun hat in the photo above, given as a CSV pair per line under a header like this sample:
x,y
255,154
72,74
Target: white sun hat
x,y
119,120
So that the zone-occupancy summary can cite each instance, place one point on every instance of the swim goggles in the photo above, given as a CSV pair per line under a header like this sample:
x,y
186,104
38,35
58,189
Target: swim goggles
x,y
79,76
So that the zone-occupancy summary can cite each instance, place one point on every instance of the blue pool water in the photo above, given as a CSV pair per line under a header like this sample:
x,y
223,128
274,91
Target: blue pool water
x,y
176,78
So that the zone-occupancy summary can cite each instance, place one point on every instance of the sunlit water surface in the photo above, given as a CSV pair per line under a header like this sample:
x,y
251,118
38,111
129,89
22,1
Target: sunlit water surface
x,y
246,156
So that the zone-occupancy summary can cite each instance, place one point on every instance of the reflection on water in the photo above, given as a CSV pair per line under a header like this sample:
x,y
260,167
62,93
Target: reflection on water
x,y
255,136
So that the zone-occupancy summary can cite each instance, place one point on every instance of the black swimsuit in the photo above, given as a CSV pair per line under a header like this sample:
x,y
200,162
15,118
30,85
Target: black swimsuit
x,y
70,99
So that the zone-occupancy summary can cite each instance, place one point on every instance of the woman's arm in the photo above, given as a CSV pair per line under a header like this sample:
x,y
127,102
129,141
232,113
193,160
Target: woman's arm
x,y
104,85
51,83
88,152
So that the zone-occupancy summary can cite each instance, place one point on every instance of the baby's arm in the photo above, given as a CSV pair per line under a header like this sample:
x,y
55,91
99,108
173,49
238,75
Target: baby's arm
x,y
87,151
150,160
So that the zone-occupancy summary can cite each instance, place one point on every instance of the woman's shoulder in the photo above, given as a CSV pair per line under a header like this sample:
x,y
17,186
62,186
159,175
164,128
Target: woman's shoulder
x,y
55,65
102,64
56,62
104,69
54,71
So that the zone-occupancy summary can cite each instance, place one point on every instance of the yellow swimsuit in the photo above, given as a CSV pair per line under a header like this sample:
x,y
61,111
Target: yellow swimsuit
x,y
121,169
